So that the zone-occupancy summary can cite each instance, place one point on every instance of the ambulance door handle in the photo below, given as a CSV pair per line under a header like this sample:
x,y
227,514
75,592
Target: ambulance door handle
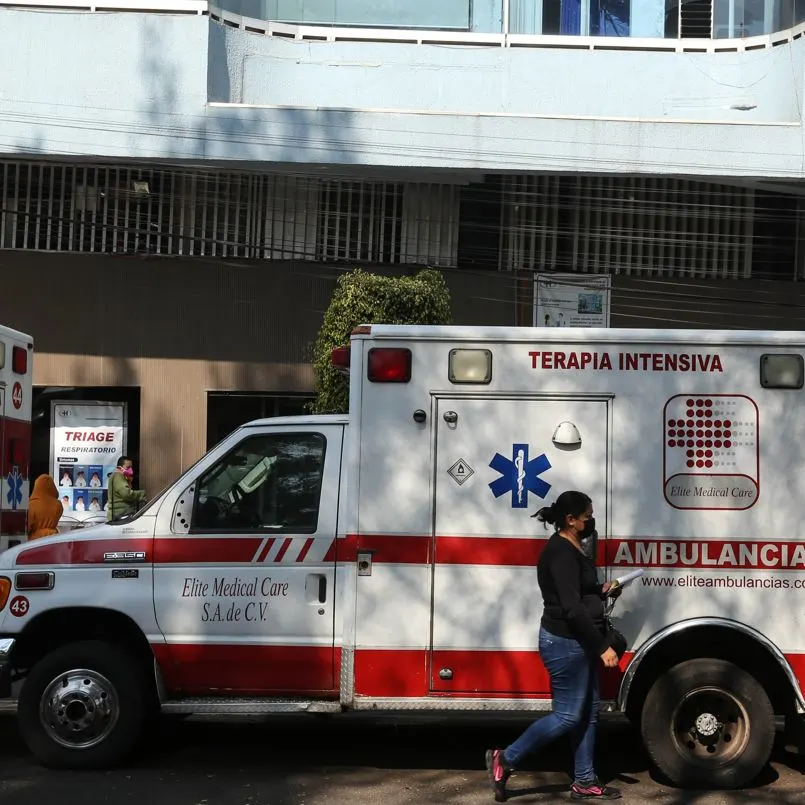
x,y
316,590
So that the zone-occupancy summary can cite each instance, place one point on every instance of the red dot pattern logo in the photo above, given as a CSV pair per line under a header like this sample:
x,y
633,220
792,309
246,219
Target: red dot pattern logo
x,y
700,433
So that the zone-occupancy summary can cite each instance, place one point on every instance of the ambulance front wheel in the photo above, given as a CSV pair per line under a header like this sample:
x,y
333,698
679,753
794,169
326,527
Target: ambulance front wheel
x,y
708,724
83,706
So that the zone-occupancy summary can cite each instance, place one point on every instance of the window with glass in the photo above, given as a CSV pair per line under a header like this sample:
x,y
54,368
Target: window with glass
x,y
269,483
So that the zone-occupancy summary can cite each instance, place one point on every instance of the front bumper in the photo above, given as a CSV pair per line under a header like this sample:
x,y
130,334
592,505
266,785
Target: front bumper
x,y
6,647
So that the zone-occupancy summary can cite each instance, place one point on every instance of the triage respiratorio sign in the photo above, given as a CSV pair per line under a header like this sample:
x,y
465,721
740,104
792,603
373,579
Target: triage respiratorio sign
x,y
87,440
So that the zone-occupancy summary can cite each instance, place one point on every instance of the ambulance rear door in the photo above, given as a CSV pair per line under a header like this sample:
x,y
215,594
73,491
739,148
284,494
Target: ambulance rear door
x,y
497,461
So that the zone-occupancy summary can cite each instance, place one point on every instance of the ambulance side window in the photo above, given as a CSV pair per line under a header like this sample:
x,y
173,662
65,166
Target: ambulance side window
x,y
268,483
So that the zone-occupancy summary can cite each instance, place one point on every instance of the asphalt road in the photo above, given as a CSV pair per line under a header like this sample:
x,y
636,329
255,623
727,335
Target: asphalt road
x,y
356,762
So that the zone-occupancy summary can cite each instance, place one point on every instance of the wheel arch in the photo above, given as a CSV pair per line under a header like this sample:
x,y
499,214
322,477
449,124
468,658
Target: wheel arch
x,y
720,638
57,627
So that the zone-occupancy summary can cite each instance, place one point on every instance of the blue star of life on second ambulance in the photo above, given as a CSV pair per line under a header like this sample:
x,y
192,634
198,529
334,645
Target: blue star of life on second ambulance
x,y
14,493
520,476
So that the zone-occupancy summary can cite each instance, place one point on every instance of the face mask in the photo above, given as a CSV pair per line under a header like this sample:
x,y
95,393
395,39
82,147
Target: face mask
x,y
128,472
586,540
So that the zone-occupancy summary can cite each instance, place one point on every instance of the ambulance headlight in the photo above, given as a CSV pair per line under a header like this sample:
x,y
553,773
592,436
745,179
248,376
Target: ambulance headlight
x,y
470,366
782,371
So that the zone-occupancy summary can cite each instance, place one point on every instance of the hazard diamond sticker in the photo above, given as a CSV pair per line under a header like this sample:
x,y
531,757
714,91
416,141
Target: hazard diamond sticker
x,y
460,471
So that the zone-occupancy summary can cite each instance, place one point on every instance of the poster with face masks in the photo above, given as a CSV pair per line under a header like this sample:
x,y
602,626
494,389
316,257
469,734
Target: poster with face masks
x,y
87,439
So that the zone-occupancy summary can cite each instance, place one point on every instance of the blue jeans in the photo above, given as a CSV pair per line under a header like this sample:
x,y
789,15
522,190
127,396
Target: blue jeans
x,y
574,686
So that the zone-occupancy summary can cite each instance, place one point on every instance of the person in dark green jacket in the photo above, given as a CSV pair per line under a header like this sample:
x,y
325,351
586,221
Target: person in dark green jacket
x,y
123,500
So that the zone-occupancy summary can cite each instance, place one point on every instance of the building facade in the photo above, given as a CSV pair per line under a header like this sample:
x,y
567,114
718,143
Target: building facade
x,y
181,184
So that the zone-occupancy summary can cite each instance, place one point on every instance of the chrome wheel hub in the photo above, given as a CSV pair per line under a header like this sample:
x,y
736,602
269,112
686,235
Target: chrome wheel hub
x,y
707,725
79,708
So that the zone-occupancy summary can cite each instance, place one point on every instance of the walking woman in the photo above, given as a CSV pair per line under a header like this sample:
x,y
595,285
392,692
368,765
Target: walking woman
x,y
573,643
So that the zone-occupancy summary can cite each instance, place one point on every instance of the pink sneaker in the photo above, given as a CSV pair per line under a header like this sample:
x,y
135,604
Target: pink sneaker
x,y
499,773
593,790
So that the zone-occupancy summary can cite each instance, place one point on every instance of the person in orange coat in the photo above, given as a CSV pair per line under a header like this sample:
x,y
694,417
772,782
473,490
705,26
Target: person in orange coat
x,y
44,509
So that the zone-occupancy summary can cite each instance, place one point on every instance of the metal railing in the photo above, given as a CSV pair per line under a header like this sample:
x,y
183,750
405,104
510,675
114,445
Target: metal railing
x,y
636,225
692,26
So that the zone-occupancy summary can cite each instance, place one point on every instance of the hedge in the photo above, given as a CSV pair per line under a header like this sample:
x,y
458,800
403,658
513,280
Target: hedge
x,y
363,298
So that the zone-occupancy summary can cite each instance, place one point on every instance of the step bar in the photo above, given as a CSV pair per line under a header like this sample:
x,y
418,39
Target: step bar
x,y
226,706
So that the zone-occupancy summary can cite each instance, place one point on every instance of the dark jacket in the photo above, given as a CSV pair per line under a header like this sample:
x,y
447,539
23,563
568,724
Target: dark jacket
x,y
573,598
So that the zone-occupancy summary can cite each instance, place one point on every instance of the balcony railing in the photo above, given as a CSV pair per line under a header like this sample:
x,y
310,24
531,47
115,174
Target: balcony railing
x,y
690,25
685,19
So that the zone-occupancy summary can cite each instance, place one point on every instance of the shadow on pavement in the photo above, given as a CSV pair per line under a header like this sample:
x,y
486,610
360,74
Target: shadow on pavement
x,y
318,761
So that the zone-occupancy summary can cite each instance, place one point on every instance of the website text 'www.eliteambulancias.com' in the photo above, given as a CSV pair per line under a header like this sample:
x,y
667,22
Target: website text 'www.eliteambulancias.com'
x,y
724,581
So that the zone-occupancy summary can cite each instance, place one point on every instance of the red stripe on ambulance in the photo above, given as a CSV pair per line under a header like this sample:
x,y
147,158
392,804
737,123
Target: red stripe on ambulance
x,y
264,550
397,549
424,550
197,668
305,549
82,552
379,673
282,551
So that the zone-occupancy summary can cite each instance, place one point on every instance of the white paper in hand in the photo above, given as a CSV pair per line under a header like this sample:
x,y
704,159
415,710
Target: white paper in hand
x,y
622,581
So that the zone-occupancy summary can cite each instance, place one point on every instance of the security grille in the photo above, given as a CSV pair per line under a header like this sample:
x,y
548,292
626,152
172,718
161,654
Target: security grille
x,y
360,221
625,225
633,225
429,233
127,210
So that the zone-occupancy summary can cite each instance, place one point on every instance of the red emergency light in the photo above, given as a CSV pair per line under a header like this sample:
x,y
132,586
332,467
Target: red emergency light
x,y
19,360
389,365
340,358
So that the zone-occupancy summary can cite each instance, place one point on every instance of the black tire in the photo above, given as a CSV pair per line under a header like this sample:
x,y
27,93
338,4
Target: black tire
x,y
114,682
731,725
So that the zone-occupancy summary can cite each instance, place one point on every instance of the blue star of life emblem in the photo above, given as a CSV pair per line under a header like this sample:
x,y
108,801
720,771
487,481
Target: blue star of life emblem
x,y
14,494
520,476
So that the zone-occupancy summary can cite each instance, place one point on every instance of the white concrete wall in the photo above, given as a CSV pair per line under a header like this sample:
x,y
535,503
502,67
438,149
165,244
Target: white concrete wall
x,y
102,84
176,87
690,86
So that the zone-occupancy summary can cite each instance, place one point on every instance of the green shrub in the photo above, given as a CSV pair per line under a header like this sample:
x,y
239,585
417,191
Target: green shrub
x,y
362,298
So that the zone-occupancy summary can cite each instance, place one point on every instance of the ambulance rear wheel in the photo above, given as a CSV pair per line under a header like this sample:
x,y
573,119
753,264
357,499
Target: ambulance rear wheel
x,y
708,724
83,706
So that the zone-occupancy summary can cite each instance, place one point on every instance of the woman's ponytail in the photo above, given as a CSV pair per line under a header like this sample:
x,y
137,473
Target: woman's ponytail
x,y
568,503
547,515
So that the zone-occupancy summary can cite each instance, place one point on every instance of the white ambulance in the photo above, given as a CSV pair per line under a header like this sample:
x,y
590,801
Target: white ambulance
x,y
385,561
16,373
